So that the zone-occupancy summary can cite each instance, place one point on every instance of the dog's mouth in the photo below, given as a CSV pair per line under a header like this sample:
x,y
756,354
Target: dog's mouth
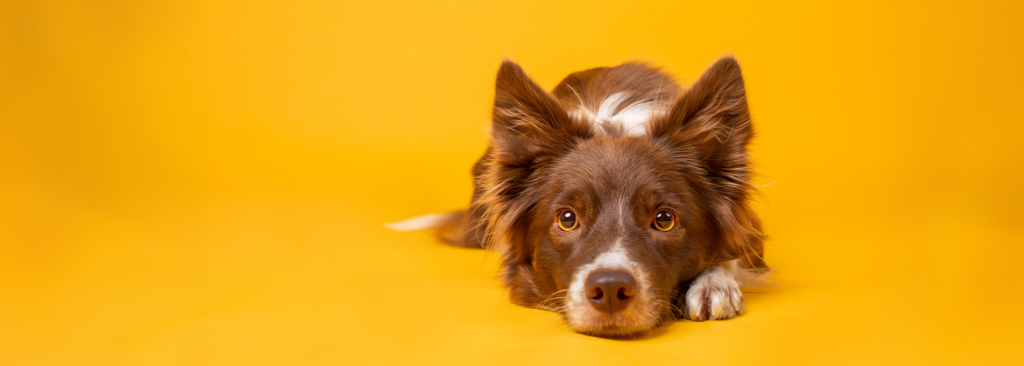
x,y
621,316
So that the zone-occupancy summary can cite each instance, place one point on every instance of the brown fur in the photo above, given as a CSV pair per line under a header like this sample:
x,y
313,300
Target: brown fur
x,y
692,161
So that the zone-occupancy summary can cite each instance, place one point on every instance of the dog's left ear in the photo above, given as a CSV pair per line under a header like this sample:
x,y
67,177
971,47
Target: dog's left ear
x,y
711,123
713,118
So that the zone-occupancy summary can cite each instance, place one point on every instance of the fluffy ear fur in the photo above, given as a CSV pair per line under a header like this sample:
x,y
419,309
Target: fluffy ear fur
x,y
530,129
712,123
529,123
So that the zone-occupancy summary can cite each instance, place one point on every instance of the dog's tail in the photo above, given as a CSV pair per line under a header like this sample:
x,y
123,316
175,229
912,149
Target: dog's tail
x,y
454,228
428,221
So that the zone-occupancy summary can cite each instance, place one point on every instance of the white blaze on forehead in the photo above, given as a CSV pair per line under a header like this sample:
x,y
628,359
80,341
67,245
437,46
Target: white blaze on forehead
x,y
615,258
632,117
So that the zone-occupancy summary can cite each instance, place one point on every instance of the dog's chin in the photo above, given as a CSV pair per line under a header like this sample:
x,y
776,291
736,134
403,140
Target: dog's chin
x,y
614,325
614,332
624,331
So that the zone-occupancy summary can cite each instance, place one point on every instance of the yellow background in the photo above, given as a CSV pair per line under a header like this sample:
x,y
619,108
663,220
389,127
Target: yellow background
x,y
204,183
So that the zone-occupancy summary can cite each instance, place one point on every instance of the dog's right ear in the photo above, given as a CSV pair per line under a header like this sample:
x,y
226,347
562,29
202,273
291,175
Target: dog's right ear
x,y
529,124
530,131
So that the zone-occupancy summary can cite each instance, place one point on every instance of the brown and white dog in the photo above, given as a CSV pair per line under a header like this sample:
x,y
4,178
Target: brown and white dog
x,y
619,200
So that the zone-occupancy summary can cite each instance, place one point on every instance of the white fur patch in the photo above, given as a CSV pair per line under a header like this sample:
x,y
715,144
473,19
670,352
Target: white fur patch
x,y
714,295
427,221
633,118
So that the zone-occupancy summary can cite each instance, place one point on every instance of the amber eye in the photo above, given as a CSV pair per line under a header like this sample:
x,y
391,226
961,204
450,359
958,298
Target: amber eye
x,y
567,220
664,221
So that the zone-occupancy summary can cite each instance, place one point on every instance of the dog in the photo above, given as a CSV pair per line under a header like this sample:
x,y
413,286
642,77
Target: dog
x,y
619,200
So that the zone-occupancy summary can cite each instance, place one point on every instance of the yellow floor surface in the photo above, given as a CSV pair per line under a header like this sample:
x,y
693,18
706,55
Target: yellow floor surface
x,y
204,183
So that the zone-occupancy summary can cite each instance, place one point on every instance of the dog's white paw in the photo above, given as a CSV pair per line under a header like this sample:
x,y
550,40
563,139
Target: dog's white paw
x,y
714,295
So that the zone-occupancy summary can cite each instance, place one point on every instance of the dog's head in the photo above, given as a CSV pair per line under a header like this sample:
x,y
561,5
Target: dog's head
x,y
607,227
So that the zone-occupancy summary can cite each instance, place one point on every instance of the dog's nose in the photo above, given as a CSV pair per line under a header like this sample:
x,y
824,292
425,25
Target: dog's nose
x,y
610,291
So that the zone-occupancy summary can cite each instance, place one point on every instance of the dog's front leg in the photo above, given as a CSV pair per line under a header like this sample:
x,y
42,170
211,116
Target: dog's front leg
x,y
713,295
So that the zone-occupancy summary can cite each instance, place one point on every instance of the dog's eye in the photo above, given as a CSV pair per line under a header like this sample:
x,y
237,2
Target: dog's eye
x,y
567,220
664,221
